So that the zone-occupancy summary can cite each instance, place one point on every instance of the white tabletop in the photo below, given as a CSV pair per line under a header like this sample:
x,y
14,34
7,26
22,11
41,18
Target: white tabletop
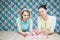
x,y
11,35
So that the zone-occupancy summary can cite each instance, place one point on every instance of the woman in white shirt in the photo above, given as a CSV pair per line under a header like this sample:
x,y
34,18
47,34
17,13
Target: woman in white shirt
x,y
46,22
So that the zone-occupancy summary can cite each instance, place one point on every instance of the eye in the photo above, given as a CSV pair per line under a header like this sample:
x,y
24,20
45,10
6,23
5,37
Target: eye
x,y
24,15
41,11
27,15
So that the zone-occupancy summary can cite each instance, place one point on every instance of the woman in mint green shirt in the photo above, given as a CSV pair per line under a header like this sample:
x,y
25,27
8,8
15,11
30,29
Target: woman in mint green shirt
x,y
24,23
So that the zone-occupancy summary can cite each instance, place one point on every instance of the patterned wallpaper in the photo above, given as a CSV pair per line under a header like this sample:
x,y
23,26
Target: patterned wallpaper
x,y
10,9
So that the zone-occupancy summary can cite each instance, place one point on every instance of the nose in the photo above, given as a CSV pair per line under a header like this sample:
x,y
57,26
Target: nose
x,y
26,16
41,13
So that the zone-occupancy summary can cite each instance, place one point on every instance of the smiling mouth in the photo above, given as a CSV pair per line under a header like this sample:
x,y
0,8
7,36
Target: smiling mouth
x,y
25,18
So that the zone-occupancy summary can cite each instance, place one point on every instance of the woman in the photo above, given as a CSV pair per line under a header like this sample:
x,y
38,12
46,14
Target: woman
x,y
46,23
24,22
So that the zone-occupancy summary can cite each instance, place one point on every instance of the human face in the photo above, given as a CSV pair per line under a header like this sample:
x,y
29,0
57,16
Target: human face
x,y
43,12
25,16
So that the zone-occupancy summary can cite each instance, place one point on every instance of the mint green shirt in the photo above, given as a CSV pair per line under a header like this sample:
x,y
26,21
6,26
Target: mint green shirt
x,y
25,26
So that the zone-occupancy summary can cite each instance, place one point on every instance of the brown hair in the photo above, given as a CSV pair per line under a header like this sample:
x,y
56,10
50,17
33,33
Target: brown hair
x,y
23,13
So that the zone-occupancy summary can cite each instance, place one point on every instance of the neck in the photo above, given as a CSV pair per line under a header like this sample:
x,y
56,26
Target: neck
x,y
24,20
45,18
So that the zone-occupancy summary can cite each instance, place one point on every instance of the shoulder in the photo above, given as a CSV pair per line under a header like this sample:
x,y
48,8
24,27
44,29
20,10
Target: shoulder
x,y
30,20
39,18
53,17
17,19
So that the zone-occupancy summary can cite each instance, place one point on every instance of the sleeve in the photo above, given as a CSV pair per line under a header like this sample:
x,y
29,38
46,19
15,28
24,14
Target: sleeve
x,y
31,21
39,23
17,20
31,25
53,24
18,25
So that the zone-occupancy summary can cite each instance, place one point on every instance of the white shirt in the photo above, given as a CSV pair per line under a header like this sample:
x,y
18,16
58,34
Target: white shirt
x,y
52,23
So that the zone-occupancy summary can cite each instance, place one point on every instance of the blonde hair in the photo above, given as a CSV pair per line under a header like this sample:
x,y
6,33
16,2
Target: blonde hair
x,y
23,13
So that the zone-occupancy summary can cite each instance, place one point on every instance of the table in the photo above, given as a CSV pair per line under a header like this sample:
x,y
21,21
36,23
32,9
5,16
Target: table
x,y
11,35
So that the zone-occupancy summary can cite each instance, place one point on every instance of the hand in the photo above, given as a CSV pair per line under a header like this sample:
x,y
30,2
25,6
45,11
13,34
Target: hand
x,y
37,32
24,34
32,33
27,33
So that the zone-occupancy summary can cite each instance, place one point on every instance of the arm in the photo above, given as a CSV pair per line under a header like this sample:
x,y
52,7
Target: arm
x,y
31,29
48,32
39,23
39,26
19,27
53,24
31,26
